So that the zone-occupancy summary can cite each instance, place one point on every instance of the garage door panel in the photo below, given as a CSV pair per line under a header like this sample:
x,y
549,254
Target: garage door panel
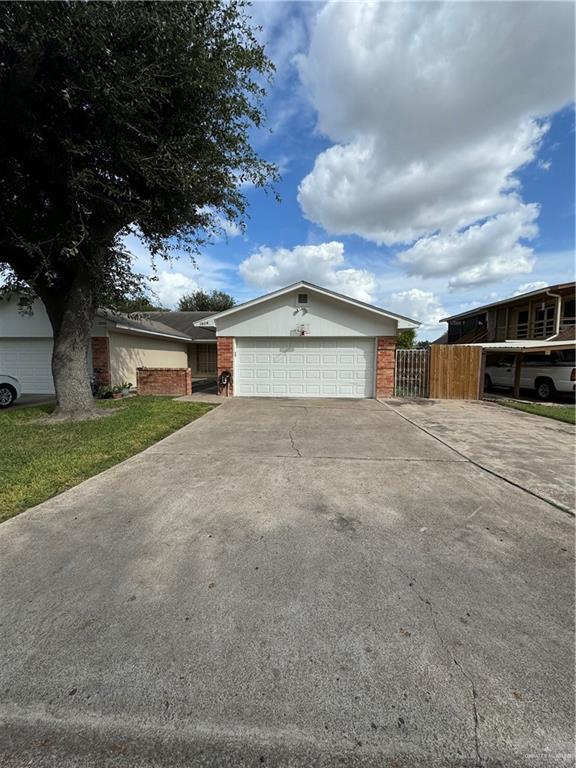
x,y
304,367
30,361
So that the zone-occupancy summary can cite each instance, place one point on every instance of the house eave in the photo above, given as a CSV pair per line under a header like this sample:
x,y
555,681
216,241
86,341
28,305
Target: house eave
x,y
510,300
143,332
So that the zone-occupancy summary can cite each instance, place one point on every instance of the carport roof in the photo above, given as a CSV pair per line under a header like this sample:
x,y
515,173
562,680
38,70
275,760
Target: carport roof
x,y
403,322
521,345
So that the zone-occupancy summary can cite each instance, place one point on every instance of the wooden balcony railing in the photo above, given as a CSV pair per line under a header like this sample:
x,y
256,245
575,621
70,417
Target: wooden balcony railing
x,y
538,329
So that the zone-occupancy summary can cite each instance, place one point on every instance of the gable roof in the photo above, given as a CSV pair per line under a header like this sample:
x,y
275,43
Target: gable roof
x,y
519,298
137,323
403,322
184,322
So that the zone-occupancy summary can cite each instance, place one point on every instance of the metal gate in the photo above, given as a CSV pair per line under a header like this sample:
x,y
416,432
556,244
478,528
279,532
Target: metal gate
x,y
411,373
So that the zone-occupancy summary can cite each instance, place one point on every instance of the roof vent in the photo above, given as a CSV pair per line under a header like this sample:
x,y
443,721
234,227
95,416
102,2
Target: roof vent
x,y
302,298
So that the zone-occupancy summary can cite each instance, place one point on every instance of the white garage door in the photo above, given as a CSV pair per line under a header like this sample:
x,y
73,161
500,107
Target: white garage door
x,y
304,367
29,360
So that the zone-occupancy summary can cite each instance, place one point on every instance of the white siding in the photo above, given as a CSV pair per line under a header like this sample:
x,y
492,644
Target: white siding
x,y
323,316
15,324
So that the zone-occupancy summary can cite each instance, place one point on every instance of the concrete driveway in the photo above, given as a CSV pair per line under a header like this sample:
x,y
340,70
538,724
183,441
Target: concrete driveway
x,y
536,453
289,583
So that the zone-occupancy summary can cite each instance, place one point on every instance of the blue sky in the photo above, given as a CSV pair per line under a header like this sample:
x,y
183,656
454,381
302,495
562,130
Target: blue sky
x,y
426,152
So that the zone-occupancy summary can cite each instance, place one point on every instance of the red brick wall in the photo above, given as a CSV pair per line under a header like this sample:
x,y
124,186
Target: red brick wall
x,y
385,361
101,359
164,381
225,346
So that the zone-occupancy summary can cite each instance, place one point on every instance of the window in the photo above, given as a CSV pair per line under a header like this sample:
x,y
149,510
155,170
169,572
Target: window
x,y
544,321
302,298
536,359
564,356
569,311
522,324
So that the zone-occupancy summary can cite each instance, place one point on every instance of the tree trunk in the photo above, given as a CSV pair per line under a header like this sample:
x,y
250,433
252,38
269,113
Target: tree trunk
x,y
71,314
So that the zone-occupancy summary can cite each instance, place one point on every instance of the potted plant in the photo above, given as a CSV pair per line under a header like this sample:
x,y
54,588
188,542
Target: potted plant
x,y
104,392
116,393
125,387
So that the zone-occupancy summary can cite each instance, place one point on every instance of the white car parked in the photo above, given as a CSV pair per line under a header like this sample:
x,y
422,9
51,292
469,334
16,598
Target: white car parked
x,y
10,390
545,374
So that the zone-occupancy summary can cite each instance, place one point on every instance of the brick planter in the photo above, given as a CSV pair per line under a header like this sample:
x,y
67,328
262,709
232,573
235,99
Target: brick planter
x,y
164,381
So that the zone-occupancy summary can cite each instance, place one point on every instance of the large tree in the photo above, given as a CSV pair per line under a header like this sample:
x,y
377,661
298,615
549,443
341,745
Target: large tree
x,y
119,117
201,301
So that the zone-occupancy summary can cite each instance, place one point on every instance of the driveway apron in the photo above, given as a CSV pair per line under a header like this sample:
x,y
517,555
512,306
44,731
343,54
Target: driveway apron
x,y
289,583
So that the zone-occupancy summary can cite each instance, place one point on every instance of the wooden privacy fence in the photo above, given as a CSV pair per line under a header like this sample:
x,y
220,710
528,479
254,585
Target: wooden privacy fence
x,y
455,372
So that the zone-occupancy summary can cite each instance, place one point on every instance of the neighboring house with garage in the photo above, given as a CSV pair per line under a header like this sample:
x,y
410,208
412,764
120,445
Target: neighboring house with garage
x,y
202,352
307,341
120,344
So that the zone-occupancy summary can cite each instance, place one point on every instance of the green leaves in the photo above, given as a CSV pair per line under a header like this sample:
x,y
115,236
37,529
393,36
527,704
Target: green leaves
x,y
118,115
200,301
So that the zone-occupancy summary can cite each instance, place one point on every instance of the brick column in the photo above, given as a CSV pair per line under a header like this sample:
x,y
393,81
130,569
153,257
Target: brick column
x,y
385,362
225,356
101,359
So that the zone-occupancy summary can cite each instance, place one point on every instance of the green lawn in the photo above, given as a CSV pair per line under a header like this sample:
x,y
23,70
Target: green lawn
x,y
565,413
40,460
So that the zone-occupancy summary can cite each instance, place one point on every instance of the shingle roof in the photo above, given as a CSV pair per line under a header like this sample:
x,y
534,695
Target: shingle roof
x,y
568,334
184,322
142,324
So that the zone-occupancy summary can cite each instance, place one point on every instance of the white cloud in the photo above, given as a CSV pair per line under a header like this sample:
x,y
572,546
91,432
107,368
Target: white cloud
x,y
230,228
419,305
527,287
170,286
181,275
324,264
284,30
478,255
433,108
223,226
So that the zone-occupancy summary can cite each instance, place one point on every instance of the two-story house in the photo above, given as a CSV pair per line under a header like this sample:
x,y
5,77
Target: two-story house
x,y
547,314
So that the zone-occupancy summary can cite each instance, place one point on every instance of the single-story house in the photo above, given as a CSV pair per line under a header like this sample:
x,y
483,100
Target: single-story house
x,y
120,344
306,341
202,350
299,341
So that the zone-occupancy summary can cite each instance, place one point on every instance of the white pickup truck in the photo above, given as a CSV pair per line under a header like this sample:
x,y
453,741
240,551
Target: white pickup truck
x,y
545,374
